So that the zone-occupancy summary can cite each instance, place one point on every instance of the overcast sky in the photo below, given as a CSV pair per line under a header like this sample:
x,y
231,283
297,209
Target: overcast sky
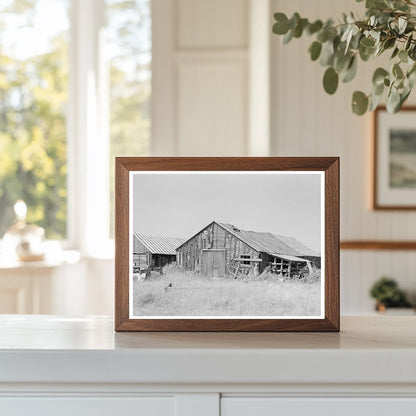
x,y
180,205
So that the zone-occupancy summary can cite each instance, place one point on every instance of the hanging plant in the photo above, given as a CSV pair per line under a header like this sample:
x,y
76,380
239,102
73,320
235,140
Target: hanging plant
x,y
389,27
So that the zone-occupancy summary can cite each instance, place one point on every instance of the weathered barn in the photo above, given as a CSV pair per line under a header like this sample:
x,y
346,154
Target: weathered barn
x,y
223,249
150,251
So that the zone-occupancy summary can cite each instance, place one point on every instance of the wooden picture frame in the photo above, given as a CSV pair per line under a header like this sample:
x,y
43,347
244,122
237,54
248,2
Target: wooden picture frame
x,y
131,167
391,177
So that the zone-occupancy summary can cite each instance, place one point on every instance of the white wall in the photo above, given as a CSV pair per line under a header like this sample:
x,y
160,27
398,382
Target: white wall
x,y
200,77
308,122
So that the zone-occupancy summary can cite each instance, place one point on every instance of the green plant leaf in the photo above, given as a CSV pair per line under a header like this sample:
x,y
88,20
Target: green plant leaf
x,y
403,56
288,37
393,101
367,42
404,96
376,4
351,71
389,43
298,30
359,103
327,53
395,52
378,89
408,42
402,22
330,80
397,71
281,27
379,75
314,27
365,51
315,50
374,101
341,61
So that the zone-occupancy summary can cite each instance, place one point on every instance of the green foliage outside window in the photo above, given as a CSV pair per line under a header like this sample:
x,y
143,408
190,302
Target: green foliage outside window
x,y
33,99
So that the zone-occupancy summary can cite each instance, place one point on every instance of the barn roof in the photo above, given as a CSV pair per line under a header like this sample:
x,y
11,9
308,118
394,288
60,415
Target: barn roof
x,y
269,243
160,245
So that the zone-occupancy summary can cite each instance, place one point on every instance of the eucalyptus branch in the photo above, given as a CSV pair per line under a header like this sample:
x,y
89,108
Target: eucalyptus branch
x,y
388,25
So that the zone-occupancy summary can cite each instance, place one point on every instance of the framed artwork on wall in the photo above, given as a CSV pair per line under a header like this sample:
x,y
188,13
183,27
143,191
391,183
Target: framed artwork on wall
x,y
227,244
394,177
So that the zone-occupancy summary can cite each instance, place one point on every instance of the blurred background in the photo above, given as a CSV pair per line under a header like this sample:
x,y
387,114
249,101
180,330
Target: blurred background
x,y
83,81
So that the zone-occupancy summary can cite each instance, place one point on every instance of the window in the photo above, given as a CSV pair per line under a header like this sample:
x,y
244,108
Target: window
x,y
129,45
246,256
33,99
75,87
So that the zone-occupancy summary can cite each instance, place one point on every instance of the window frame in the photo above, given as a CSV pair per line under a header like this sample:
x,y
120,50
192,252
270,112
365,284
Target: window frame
x,y
88,133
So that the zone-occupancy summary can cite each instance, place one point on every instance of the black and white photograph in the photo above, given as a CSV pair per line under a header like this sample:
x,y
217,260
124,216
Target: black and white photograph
x,y
226,244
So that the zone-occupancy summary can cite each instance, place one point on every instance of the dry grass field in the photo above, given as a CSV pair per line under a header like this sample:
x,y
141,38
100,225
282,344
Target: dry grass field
x,y
189,294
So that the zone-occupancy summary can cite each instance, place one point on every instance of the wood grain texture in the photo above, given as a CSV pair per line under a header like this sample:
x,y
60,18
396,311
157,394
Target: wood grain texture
x,y
330,165
376,204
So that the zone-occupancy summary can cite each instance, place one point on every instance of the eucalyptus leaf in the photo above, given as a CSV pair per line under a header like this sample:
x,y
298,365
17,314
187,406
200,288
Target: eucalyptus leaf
x,y
404,96
367,42
389,43
288,37
403,56
327,54
374,101
281,27
379,75
314,27
341,62
395,52
350,73
376,4
359,103
315,50
393,101
402,22
397,71
366,53
330,80
378,89
298,30
408,42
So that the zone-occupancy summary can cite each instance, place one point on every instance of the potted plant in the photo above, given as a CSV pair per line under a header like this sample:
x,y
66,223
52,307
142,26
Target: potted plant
x,y
387,294
389,27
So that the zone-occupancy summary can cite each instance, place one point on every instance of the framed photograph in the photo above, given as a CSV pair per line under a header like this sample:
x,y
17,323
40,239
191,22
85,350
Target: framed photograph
x,y
227,244
394,159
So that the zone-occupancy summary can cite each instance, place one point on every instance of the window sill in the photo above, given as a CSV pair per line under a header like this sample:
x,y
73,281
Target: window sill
x,y
63,258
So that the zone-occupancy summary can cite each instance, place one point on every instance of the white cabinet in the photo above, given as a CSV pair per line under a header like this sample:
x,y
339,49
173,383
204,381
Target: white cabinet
x,y
271,406
88,406
51,365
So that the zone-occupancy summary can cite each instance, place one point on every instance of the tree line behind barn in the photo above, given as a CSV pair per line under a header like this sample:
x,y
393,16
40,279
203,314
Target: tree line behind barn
x,y
220,250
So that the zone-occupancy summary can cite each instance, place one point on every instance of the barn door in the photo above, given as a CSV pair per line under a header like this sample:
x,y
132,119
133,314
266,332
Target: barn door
x,y
213,263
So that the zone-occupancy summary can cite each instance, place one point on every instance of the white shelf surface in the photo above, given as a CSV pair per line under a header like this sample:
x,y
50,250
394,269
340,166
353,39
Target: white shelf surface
x,y
53,349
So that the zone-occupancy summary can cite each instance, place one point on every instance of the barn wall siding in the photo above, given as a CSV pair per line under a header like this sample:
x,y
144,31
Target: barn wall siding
x,y
212,237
